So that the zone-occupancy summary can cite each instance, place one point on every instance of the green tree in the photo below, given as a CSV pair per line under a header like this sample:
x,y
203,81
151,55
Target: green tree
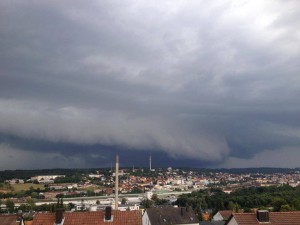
x,y
147,203
28,218
124,200
285,208
10,205
31,203
154,197
231,205
24,208
277,203
72,205
34,195
136,191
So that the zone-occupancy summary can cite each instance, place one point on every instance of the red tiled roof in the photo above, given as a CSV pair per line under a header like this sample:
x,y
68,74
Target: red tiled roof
x,y
91,218
9,220
44,219
276,218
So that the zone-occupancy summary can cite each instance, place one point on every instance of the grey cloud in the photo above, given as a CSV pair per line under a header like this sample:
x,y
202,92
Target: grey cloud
x,y
286,157
190,79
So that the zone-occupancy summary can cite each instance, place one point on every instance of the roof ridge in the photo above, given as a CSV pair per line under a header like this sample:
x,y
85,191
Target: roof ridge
x,y
285,212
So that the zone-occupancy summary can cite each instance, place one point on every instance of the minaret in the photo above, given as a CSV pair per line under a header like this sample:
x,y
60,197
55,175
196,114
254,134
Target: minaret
x,y
150,162
117,183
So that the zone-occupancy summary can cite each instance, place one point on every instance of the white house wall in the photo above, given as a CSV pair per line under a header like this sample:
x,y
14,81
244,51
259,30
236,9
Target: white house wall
x,y
145,219
218,217
232,222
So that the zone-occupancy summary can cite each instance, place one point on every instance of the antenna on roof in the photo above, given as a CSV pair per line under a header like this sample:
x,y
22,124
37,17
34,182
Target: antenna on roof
x,y
117,183
150,161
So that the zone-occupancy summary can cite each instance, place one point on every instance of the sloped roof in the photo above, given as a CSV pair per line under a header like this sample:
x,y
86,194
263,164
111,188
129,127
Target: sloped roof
x,y
212,222
8,220
171,215
225,213
276,218
44,219
91,218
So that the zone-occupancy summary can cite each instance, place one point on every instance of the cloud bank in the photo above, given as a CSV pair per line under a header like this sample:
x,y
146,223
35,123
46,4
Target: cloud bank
x,y
216,82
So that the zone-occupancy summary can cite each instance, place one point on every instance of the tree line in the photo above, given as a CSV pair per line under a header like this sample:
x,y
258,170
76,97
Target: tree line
x,y
276,198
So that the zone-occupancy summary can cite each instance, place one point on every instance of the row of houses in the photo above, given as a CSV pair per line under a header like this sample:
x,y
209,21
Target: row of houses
x,y
152,216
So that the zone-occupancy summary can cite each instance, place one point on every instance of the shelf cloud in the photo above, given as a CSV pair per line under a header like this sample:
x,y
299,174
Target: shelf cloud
x,y
198,83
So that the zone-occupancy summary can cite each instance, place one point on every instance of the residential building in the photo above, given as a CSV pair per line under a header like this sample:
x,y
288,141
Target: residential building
x,y
104,217
170,215
11,219
45,178
265,217
222,215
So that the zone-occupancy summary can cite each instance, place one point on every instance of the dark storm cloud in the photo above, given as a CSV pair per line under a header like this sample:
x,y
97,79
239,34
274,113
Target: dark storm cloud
x,y
71,155
215,82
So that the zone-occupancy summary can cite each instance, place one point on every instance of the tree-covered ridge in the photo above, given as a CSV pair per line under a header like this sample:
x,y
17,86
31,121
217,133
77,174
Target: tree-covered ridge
x,y
282,198
26,174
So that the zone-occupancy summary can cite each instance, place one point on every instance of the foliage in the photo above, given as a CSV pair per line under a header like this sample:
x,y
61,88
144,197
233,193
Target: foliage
x,y
136,191
26,174
72,205
10,205
158,201
28,218
124,200
26,187
68,179
147,203
282,198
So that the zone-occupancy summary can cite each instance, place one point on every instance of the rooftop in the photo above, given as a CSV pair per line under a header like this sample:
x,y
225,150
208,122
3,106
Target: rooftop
x,y
171,215
91,218
276,218
9,220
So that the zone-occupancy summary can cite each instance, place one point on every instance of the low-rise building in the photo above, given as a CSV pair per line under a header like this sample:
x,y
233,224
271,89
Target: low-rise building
x,y
222,215
265,217
170,215
104,217
11,219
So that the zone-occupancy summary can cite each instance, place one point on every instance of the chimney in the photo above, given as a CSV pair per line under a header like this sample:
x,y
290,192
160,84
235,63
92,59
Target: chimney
x,y
108,213
59,213
19,216
117,183
263,216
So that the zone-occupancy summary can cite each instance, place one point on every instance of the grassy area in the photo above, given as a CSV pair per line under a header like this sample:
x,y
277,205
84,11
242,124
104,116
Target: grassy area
x,y
92,188
25,187
4,187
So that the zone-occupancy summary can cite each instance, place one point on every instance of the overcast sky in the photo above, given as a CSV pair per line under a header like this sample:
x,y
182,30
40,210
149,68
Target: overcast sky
x,y
196,83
